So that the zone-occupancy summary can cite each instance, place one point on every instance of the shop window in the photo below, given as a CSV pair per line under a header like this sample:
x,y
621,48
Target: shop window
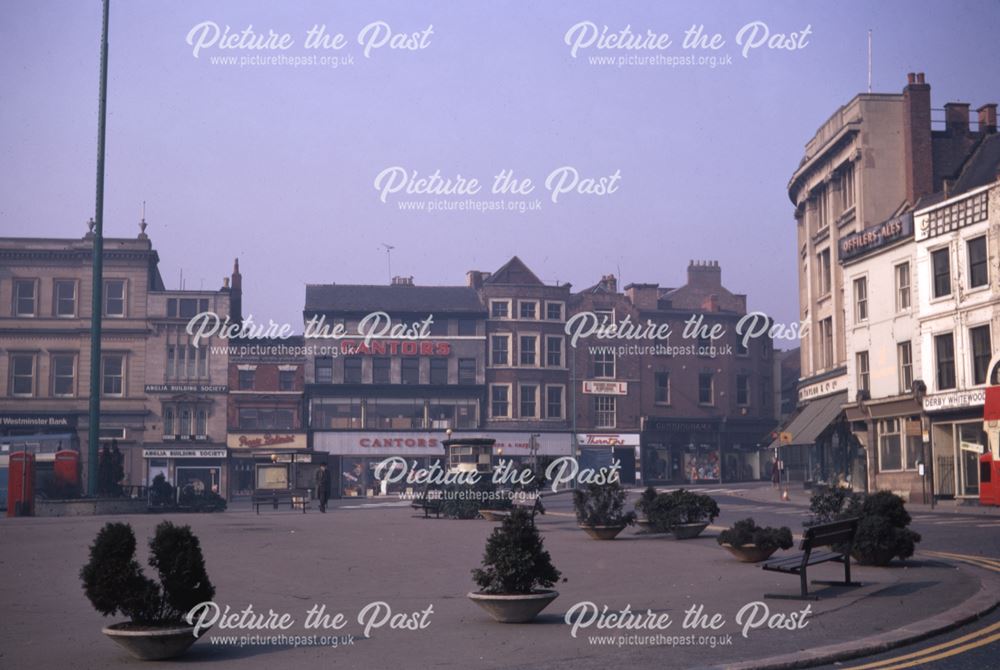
x,y
114,298
25,297
466,370
113,375
941,268
329,413
64,298
944,348
554,401
410,371
979,339
604,411
63,375
22,374
324,370
978,265
897,451
352,370
394,414
529,402
381,367
500,350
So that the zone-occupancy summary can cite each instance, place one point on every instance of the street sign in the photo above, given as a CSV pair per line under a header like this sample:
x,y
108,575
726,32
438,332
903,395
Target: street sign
x,y
785,437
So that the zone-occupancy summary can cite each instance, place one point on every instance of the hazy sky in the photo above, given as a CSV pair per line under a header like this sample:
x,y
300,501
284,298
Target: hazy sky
x,y
276,164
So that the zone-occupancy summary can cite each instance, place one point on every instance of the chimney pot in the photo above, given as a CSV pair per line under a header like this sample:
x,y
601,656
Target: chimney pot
x,y
911,78
920,77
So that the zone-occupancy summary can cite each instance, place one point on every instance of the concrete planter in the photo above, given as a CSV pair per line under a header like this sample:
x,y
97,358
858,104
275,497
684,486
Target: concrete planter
x,y
516,608
750,553
603,532
153,644
688,531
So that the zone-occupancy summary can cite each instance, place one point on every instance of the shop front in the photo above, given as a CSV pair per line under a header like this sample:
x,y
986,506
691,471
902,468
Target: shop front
x,y
957,441
681,451
891,431
598,450
356,455
269,460
199,469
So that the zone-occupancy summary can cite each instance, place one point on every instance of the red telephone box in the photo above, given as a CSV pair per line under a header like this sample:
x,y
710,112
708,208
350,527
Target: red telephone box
x,y
21,484
66,470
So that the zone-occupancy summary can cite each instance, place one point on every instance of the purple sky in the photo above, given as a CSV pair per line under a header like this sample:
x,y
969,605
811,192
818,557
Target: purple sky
x,y
276,164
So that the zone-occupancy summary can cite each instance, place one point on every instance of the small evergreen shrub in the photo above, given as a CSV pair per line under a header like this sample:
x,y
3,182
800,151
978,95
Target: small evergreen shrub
x,y
747,532
113,580
602,505
682,507
515,561
882,524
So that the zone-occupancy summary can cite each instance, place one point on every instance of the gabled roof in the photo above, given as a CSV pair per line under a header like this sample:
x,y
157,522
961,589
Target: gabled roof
x,y
365,298
514,271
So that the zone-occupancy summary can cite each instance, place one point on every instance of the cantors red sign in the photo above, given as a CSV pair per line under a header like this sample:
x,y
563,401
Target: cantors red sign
x,y
395,348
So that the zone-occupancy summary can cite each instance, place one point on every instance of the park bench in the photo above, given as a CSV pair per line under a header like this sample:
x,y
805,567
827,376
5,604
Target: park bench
x,y
295,498
429,501
530,502
840,533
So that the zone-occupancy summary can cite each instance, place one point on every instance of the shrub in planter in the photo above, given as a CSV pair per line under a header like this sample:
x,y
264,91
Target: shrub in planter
x,y
516,573
753,543
882,524
646,500
684,507
602,505
882,530
209,501
161,493
114,583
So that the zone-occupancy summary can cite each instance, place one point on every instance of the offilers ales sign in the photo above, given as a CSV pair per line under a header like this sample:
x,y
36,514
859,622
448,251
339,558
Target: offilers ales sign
x,y
875,237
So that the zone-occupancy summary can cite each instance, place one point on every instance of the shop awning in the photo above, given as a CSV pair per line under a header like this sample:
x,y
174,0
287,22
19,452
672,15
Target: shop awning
x,y
813,419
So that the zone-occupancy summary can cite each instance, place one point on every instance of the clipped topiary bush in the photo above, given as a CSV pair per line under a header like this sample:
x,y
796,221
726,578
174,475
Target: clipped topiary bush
x,y
515,561
114,583
882,533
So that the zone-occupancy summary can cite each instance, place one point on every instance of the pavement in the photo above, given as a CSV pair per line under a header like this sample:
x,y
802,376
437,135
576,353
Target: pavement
x,y
364,552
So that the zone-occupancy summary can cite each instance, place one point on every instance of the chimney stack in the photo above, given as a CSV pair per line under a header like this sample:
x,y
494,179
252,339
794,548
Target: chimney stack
x,y
610,283
956,117
988,118
704,273
402,281
474,279
917,154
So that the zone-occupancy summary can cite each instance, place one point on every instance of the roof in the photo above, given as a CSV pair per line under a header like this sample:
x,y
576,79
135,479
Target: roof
x,y
392,299
514,271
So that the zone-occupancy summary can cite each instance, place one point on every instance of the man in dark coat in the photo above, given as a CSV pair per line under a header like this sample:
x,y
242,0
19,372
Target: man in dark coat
x,y
322,486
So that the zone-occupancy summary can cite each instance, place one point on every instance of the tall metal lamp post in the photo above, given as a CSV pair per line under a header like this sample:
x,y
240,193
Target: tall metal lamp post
x,y
97,305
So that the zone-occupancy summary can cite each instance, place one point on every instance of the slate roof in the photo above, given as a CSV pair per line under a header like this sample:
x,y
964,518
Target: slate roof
x,y
393,299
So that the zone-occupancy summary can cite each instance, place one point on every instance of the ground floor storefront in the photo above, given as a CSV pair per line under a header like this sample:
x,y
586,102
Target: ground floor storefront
x,y
891,430
376,463
957,442
198,470
699,451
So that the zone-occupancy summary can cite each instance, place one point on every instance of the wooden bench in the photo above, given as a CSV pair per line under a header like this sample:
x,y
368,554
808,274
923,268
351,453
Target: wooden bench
x,y
528,502
430,501
820,535
295,498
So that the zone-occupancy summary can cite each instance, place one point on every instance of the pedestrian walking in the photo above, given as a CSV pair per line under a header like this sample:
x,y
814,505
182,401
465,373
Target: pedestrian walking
x,y
775,473
322,486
